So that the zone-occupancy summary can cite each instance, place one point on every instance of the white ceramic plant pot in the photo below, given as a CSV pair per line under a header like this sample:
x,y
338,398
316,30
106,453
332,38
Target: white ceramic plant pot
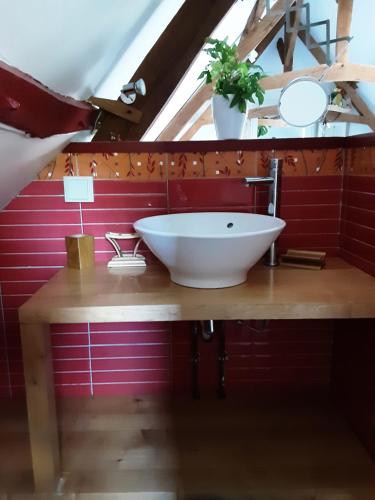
x,y
229,122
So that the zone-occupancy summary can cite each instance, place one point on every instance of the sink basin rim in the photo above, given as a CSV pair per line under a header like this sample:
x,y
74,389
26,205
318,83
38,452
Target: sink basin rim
x,y
280,225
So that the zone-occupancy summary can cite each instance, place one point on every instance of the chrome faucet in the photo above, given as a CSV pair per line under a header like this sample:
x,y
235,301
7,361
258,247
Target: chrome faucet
x,y
274,181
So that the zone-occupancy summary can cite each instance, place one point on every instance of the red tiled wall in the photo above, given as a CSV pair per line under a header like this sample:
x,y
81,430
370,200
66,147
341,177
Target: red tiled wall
x,y
32,249
353,373
358,211
358,222
154,357
290,355
310,206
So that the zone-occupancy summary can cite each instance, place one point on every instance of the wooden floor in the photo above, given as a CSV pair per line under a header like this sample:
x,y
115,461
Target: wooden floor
x,y
147,449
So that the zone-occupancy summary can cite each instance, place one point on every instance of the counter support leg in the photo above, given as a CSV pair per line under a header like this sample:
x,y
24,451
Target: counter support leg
x,y
37,358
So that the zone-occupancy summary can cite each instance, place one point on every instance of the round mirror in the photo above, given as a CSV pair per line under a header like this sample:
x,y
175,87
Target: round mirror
x,y
303,102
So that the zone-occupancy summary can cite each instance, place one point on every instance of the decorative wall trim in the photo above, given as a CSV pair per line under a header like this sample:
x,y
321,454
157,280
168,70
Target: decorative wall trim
x,y
193,165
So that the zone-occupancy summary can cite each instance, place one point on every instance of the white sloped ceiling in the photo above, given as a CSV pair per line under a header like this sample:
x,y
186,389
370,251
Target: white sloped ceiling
x,y
71,46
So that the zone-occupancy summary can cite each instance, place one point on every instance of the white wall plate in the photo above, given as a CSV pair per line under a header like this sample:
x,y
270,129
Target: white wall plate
x,y
79,189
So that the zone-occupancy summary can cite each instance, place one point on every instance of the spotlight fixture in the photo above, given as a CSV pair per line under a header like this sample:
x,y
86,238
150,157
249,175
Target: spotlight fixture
x,y
130,90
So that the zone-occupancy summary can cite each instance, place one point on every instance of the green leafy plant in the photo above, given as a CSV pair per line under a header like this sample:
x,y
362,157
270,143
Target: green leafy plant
x,y
231,77
262,130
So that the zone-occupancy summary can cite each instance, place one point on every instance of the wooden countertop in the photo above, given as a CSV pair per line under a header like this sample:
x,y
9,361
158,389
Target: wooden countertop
x,y
100,294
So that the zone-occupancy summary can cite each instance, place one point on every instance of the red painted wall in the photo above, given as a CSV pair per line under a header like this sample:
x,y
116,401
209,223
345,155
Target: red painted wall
x,y
147,358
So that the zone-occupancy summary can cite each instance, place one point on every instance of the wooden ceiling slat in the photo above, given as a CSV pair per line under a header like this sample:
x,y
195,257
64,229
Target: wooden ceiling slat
x,y
167,62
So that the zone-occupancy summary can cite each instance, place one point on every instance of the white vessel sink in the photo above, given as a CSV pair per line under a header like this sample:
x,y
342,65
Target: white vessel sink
x,y
209,249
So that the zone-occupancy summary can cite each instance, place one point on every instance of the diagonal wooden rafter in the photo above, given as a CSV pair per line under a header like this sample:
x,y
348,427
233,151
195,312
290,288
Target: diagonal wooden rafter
x,y
206,115
166,63
252,41
317,52
332,116
337,72
359,104
291,38
253,20
202,120
357,101
264,111
344,19
254,17
269,116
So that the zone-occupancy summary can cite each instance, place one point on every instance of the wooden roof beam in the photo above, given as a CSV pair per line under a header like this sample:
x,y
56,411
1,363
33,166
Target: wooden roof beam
x,y
28,105
206,117
253,20
359,104
338,72
357,101
331,117
317,52
166,64
206,114
264,111
267,26
254,17
291,38
344,21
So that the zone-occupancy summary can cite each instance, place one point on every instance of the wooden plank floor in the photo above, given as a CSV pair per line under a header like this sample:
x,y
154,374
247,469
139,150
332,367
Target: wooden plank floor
x,y
148,449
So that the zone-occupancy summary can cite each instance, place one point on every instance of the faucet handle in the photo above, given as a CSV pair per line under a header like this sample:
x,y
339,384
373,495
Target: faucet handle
x,y
258,180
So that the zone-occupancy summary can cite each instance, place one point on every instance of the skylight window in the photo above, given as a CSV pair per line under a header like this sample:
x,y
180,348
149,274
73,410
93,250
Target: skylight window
x,y
232,27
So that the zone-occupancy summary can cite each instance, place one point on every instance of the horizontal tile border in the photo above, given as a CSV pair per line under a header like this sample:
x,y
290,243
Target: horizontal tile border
x,y
141,167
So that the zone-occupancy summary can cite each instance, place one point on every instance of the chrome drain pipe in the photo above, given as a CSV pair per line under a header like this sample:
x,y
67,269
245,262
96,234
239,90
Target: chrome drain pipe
x,y
222,357
207,329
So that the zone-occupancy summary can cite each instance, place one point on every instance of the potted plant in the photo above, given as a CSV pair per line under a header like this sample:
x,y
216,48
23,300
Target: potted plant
x,y
235,83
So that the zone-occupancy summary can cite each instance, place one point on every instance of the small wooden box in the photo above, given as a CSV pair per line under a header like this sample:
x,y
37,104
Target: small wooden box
x,y
80,251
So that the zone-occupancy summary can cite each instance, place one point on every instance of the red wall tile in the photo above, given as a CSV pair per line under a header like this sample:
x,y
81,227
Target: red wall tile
x,y
357,238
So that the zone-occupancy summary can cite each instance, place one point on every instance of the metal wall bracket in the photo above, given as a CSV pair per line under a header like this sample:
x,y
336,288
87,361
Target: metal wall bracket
x,y
328,41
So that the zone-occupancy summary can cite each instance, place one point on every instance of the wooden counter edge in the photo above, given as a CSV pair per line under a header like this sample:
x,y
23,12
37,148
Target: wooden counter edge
x,y
181,308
